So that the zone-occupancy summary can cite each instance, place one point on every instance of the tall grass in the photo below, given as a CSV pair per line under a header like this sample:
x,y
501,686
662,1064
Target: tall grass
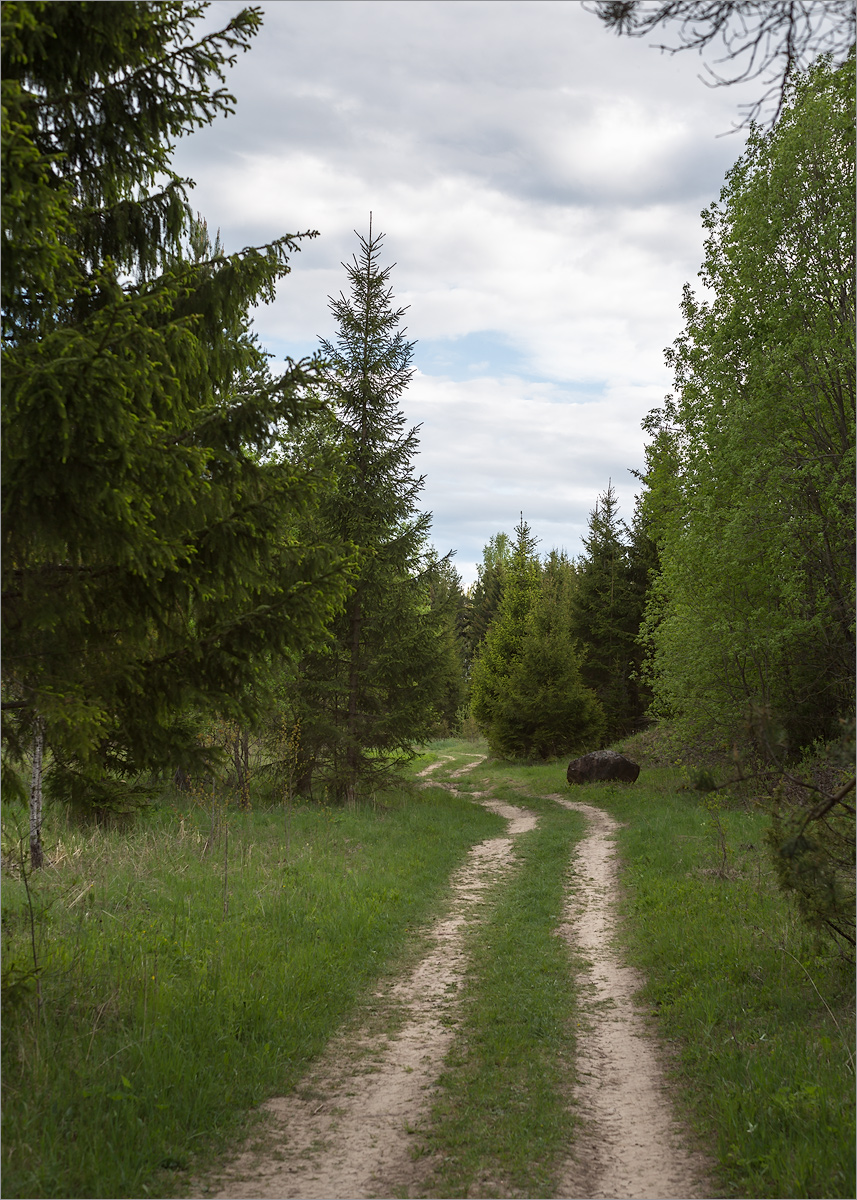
x,y
757,1011
182,979
761,1011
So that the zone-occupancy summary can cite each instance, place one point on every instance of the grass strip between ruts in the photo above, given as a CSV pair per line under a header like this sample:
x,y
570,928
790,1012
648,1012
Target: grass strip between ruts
x,y
757,1010
502,1121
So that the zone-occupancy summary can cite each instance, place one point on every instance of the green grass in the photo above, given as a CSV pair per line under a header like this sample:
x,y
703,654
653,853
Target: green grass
x,y
163,1018
761,1012
502,1122
758,1013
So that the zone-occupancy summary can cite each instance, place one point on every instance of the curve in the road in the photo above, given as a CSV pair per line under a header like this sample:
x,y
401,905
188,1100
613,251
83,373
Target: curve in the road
x,y
343,1133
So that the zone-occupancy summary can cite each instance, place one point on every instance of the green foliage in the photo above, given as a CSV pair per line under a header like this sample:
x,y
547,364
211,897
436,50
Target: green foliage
x,y
149,554
527,691
447,602
385,677
483,598
502,647
815,861
551,711
812,839
751,470
608,603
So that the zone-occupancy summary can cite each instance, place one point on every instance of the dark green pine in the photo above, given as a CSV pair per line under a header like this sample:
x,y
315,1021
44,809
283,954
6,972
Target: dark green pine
x,y
386,679
607,611
150,562
484,597
551,711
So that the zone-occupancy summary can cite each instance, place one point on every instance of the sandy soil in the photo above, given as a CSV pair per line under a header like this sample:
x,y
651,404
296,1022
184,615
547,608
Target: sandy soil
x,y
468,766
631,1146
345,1132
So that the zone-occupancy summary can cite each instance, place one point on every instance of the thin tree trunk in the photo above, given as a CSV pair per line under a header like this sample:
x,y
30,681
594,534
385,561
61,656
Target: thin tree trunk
x,y
37,856
226,868
351,753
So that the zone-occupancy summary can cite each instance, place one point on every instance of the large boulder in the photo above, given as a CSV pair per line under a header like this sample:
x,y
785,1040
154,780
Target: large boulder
x,y
602,765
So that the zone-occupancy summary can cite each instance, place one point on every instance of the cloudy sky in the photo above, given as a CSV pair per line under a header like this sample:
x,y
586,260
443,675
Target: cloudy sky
x,y
539,182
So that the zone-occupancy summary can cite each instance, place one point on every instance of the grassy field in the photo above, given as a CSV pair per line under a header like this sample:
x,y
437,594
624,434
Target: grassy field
x,y
756,1011
188,971
182,980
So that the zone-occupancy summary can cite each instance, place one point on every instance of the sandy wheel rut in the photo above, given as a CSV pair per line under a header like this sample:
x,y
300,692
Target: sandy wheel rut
x,y
630,1145
344,1132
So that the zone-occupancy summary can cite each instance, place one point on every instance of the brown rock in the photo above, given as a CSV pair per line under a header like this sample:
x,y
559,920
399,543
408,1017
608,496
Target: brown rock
x,y
602,765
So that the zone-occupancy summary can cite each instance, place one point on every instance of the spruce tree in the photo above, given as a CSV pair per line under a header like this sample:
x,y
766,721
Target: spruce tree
x,y
551,711
491,701
447,601
528,693
375,689
485,595
608,607
149,553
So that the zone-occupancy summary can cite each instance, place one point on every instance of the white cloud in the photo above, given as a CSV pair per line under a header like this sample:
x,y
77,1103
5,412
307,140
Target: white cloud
x,y
491,448
539,181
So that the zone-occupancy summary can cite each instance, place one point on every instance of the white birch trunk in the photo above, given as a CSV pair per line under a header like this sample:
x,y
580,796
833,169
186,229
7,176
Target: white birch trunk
x,y
37,856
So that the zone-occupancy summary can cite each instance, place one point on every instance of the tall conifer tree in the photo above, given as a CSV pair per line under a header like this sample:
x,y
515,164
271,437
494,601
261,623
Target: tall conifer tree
x,y
149,557
551,711
502,647
608,606
448,601
527,691
483,598
377,687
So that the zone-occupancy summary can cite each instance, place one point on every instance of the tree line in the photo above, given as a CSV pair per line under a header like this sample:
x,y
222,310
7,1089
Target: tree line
x,y
188,537
551,646
728,607
192,538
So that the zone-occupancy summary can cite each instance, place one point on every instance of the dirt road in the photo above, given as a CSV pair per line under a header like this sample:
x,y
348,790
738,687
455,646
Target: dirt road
x,y
344,1132
631,1145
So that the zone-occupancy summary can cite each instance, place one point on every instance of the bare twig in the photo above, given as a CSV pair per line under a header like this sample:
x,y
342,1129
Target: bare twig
x,y
785,950
758,36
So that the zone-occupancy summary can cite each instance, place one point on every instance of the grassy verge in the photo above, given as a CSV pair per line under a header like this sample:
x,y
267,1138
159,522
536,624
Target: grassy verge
x,y
759,1012
182,981
502,1121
